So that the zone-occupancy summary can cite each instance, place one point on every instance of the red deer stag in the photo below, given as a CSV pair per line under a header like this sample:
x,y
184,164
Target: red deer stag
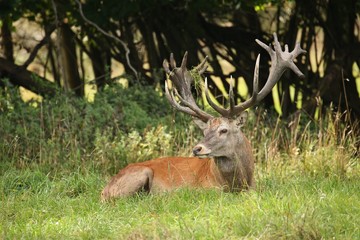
x,y
224,157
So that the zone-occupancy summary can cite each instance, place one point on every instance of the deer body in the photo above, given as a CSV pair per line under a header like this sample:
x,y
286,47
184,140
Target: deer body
x,y
163,174
223,158
227,165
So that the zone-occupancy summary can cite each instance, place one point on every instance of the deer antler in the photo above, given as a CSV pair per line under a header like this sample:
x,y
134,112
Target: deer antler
x,y
182,81
280,61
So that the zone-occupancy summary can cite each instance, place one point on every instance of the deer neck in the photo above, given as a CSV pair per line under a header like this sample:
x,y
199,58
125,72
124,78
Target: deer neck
x,y
229,169
235,170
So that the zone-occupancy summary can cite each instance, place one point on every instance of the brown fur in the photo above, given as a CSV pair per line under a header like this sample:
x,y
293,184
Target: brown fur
x,y
163,174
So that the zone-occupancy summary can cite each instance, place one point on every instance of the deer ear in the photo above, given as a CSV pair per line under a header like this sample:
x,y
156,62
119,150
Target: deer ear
x,y
202,125
241,119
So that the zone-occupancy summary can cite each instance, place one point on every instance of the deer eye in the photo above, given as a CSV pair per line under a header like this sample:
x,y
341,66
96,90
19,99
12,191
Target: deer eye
x,y
224,130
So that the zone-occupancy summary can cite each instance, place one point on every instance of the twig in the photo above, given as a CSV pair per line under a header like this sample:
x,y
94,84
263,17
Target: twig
x,y
127,51
37,48
348,116
56,65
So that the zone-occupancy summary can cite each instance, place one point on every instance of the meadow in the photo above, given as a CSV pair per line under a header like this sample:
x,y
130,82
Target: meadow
x,y
57,155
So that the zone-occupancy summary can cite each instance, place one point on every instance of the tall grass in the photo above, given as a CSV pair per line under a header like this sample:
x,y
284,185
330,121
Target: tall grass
x,y
56,156
325,146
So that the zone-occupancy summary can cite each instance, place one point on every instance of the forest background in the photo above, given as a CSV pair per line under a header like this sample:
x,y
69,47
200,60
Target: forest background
x,y
81,95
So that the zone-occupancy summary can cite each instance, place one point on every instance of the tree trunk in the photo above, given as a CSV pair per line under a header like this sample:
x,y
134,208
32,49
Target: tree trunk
x,y
100,61
68,60
24,78
338,84
6,44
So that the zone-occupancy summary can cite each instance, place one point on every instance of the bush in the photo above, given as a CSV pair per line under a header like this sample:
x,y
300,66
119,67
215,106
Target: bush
x,y
68,130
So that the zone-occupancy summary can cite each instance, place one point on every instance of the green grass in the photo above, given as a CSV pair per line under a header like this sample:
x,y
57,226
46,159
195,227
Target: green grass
x,y
290,204
54,162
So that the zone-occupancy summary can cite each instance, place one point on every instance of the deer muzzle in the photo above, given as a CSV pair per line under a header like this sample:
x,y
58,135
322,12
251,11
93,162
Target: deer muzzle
x,y
200,150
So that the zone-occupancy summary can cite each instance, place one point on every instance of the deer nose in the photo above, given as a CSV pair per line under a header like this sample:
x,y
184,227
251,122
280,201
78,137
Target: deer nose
x,y
196,150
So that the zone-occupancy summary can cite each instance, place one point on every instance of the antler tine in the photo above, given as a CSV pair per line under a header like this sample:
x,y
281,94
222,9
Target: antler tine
x,y
280,61
183,62
182,81
201,68
172,60
170,96
254,97
256,78
231,95
217,108
236,110
166,67
296,52
198,112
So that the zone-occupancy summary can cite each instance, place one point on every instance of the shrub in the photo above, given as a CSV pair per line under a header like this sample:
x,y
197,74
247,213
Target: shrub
x,y
69,130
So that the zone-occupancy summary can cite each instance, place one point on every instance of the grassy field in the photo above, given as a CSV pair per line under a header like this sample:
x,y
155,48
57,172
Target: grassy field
x,y
291,201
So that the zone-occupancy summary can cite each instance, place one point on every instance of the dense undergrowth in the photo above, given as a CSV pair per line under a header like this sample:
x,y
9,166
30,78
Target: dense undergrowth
x,y
119,126
56,155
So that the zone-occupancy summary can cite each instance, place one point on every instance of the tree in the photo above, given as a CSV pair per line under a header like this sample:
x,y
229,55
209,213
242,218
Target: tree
x,y
140,34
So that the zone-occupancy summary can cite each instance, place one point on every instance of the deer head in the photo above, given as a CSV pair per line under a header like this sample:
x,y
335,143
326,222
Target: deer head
x,y
222,135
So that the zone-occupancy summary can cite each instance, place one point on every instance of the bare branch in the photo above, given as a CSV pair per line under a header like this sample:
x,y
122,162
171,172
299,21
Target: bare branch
x,y
29,80
127,51
36,49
